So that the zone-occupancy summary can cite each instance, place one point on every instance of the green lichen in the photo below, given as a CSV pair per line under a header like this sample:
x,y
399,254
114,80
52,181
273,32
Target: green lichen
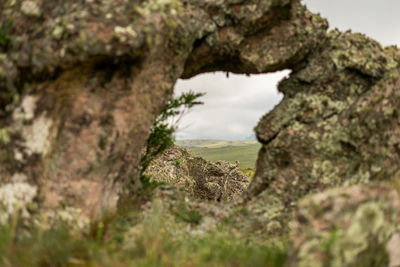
x,y
168,10
325,172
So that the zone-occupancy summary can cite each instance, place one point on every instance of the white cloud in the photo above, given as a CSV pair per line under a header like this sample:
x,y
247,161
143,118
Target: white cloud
x,y
232,106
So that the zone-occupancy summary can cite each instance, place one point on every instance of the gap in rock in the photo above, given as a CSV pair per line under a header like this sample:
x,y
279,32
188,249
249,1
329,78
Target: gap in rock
x,y
233,104
232,107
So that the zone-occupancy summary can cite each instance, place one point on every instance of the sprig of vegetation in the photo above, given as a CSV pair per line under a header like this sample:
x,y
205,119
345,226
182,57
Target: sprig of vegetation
x,y
162,132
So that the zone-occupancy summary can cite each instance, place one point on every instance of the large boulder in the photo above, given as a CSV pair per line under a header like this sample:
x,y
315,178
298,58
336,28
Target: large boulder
x,y
338,123
354,226
200,178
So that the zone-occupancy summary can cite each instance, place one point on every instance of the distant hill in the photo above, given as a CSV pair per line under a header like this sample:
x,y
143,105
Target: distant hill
x,y
210,143
244,151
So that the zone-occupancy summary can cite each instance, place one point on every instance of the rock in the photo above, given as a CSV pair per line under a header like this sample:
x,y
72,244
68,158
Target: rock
x,y
202,179
81,83
337,124
350,226
100,72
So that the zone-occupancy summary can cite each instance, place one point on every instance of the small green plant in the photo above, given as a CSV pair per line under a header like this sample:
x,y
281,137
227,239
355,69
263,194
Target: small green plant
x,y
162,133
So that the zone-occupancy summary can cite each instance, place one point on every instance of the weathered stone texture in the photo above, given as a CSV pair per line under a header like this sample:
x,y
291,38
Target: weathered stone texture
x,y
82,81
352,226
337,124
200,178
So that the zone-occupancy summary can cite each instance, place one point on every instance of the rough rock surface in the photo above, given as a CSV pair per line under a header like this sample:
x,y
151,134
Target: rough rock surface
x,y
202,179
338,123
354,226
82,81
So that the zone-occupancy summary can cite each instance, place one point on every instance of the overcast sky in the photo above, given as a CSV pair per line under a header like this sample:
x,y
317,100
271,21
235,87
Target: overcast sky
x,y
233,106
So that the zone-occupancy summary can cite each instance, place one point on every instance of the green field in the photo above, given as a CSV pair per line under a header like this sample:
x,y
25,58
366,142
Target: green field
x,y
244,151
214,143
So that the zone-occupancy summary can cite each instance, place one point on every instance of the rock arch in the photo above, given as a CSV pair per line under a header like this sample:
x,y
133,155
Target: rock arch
x,y
82,81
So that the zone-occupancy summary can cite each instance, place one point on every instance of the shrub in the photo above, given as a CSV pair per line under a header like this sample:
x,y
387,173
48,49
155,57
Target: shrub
x,y
162,133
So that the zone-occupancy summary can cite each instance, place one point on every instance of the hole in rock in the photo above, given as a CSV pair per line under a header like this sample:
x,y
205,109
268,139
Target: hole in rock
x,y
222,128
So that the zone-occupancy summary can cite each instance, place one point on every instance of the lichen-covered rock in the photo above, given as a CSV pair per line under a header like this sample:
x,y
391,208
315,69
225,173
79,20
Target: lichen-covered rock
x,y
337,124
171,167
198,177
18,206
81,82
350,226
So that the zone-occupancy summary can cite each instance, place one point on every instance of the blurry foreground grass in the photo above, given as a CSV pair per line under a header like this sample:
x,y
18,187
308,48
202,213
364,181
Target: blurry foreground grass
x,y
134,239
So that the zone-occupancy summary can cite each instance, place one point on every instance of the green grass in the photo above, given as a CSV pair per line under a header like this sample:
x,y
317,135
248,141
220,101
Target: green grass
x,y
157,243
240,151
